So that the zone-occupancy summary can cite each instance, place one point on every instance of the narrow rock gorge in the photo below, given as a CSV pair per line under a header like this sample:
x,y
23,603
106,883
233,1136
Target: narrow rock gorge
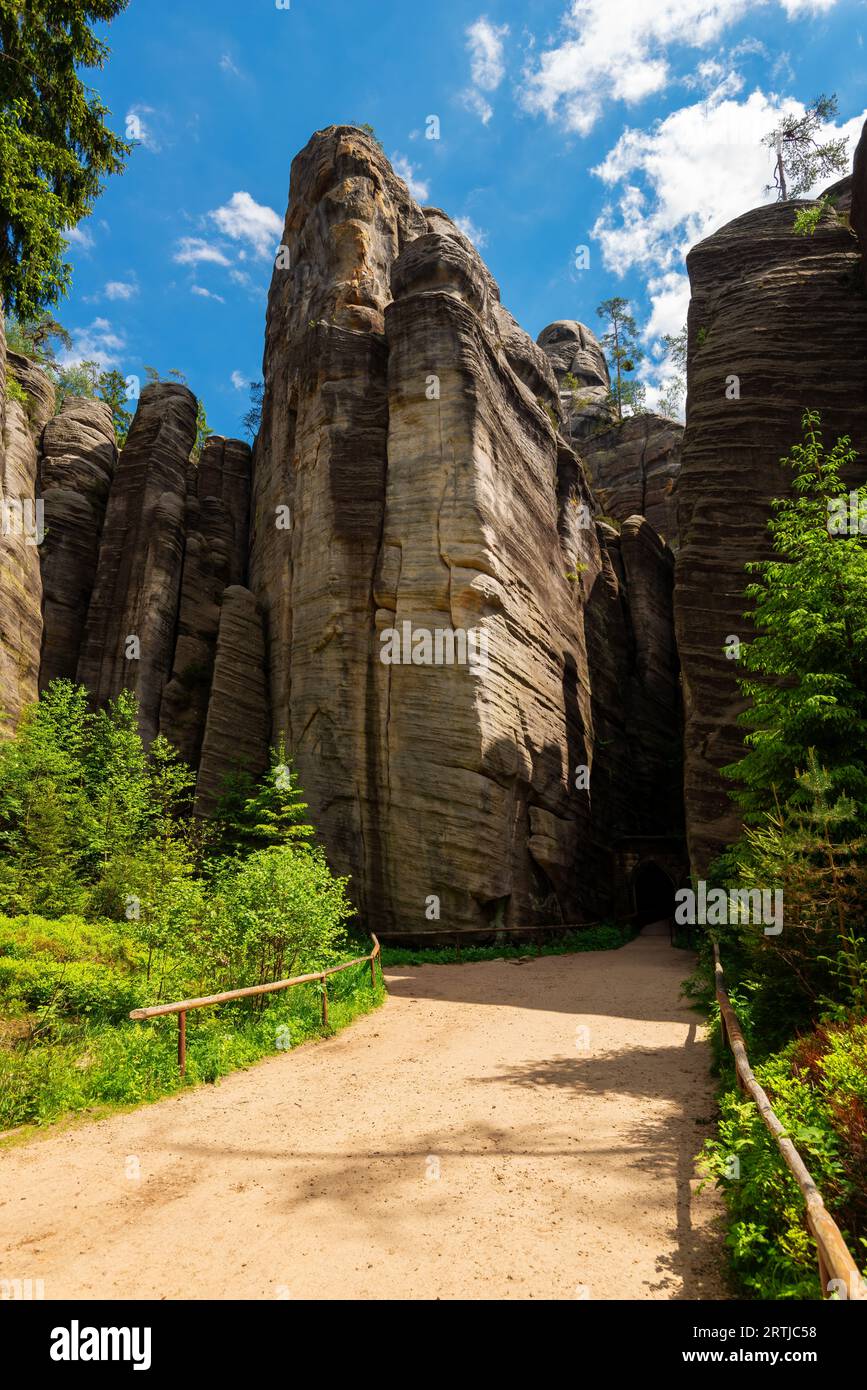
x,y
447,575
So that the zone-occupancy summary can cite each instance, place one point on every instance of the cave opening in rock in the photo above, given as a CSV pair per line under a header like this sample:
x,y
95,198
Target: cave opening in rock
x,y
654,894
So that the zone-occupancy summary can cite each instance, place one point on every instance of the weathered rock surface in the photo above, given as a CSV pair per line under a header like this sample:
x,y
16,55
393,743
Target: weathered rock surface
x,y
428,489
781,320
20,532
575,352
633,466
858,198
236,733
129,636
77,465
216,539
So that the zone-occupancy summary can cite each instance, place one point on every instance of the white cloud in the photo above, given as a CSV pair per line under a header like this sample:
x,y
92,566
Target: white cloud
x,y
193,249
686,176
470,230
120,289
79,236
485,44
140,130
419,189
206,294
227,65
243,219
240,277
485,47
98,343
239,381
680,180
474,101
623,51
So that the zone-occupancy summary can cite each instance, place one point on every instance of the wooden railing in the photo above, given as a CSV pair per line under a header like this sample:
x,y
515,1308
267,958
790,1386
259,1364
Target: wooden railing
x,y
838,1272
183,1007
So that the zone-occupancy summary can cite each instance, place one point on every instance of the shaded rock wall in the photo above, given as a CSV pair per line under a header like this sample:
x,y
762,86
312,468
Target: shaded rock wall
x,y
236,732
783,318
633,467
130,630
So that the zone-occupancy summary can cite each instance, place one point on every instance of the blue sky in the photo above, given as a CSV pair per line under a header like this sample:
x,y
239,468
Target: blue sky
x,y
631,127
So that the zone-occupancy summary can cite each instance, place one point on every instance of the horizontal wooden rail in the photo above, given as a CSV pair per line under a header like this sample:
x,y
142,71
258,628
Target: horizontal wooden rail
x,y
183,1006
836,1265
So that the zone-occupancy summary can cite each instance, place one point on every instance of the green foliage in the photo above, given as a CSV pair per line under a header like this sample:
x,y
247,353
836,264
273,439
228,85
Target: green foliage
x,y
369,130
624,352
93,825
604,936
55,144
112,389
799,159
36,337
252,817
16,392
674,392
818,1087
807,663
808,219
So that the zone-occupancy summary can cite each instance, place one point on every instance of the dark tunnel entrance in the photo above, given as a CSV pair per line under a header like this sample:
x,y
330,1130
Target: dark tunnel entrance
x,y
654,895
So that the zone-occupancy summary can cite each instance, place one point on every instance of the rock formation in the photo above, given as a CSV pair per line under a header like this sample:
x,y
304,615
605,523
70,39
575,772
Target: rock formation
x,y
409,483
633,467
777,324
77,466
216,537
129,637
409,581
631,464
21,423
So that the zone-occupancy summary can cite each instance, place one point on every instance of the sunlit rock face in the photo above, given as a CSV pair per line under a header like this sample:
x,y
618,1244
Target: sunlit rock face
x,y
21,423
412,493
777,324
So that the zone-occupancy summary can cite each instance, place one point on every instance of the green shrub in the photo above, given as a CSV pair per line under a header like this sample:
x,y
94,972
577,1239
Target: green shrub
x,y
818,1087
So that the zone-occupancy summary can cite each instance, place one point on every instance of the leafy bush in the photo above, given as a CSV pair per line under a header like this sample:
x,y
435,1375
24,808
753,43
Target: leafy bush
x,y
818,1087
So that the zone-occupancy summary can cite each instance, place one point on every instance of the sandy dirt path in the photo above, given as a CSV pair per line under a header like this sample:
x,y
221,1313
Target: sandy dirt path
x,y
497,1130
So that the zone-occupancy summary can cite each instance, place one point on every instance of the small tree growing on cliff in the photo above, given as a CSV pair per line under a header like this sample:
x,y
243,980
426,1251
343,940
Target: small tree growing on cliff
x,y
624,353
799,158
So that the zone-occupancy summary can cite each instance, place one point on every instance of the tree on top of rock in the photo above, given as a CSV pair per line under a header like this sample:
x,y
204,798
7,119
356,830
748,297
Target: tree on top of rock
x,y
624,354
55,145
799,157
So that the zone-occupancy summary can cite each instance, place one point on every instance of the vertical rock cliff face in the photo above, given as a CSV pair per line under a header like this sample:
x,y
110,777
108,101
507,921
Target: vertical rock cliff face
x,y
633,467
236,732
216,537
77,466
408,483
777,324
130,632
20,581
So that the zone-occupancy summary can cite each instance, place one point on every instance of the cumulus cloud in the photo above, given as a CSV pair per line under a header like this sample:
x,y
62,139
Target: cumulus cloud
x,y
487,68
243,219
206,294
624,51
686,176
419,188
681,179
239,381
485,44
98,342
193,249
120,289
